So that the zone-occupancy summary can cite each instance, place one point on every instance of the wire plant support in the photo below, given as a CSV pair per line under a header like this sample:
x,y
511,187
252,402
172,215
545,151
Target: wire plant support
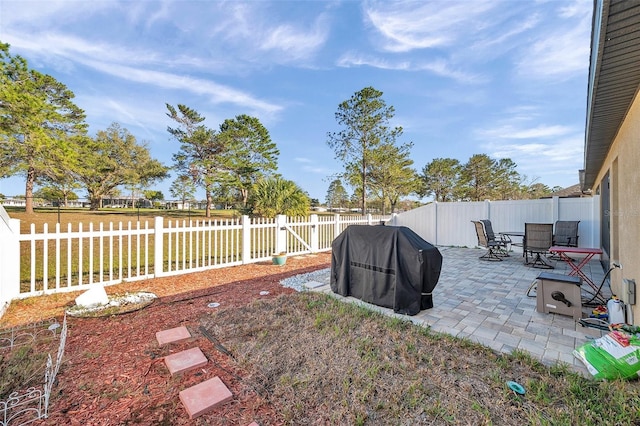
x,y
24,407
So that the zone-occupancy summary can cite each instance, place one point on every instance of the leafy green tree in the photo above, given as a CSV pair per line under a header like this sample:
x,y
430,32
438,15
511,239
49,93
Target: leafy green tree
x,y
364,118
337,195
538,190
249,153
183,189
507,180
226,196
440,178
274,195
115,158
64,184
477,178
200,153
38,122
152,195
53,194
392,175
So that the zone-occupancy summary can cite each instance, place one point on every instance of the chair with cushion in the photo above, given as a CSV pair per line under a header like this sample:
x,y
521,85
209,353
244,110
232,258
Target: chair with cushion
x,y
491,236
493,247
538,238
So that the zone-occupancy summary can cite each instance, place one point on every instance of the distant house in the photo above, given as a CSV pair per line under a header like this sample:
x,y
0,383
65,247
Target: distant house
x,y
121,202
14,202
612,140
573,191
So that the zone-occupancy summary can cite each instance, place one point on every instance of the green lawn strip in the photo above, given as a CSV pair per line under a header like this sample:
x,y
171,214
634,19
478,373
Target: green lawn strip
x,y
328,362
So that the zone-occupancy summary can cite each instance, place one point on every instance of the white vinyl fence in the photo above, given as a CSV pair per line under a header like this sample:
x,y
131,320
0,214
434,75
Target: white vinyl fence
x,y
449,224
74,259
69,259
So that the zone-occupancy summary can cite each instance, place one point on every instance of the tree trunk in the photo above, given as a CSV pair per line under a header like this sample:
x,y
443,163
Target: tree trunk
x,y
28,193
245,197
364,188
94,201
208,211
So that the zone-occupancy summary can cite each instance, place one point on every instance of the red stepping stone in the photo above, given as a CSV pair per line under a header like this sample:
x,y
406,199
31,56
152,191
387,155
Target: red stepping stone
x,y
204,397
173,335
185,360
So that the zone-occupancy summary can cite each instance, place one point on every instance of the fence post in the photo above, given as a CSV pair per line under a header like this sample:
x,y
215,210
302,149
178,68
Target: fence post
x,y
555,208
336,225
158,246
369,219
281,233
315,231
9,264
435,222
246,239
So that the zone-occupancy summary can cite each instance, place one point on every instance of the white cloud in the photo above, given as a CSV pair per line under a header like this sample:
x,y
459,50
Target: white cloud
x,y
562,51
509,131
295,43
351,59
557,151
218,93
439,67
410,25
69,52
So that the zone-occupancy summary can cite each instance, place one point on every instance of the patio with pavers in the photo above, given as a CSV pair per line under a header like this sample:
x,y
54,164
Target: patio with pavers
x,y
487,302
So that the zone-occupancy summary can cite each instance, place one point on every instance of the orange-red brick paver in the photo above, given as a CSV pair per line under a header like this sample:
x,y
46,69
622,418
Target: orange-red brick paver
x,y
185,360
172,335
204,397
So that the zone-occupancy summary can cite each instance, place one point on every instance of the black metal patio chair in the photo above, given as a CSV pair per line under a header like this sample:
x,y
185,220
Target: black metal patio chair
x,y
503,240
493,247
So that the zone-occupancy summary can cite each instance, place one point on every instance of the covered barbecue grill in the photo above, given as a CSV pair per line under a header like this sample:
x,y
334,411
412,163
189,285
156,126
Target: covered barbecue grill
x,y
387,266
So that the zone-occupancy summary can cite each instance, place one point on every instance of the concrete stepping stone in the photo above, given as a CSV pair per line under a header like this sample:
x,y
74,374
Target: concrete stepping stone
x,y
313,284
173,335
185,360
204,397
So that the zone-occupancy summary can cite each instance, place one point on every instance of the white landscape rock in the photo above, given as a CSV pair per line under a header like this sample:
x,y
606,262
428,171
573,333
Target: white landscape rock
x,y
95,296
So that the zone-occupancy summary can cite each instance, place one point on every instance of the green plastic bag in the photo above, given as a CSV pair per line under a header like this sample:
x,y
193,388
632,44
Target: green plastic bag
x,y
607,358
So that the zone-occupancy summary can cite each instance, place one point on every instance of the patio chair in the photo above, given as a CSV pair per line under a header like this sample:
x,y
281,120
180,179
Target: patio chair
x,y
493,247
502,239
566,233
538,238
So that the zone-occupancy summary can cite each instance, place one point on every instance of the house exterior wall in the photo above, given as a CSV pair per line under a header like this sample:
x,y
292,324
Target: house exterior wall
x,y
623,164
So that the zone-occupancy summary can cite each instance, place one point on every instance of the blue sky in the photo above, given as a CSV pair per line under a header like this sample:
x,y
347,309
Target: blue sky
x,y
504,78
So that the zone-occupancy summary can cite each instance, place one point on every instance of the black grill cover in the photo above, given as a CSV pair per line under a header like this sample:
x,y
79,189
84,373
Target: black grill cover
x,y
389,266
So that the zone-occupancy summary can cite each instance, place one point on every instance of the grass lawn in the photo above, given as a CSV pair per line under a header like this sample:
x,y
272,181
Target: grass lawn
x,y
50,216
344,364
317,360
116,216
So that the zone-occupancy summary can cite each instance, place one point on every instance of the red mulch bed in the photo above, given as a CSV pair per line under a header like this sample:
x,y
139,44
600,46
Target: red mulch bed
x,y
113,372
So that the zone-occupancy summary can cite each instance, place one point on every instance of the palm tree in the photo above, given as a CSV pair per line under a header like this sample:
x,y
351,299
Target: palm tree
x,y
273,196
